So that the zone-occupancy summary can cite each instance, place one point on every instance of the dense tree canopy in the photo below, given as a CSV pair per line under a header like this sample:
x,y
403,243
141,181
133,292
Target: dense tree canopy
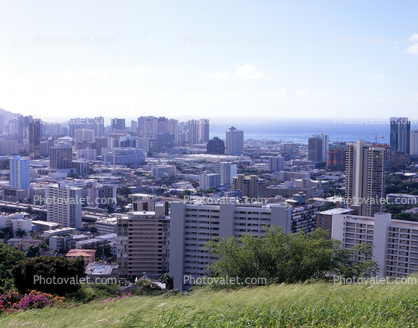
x,y
280,257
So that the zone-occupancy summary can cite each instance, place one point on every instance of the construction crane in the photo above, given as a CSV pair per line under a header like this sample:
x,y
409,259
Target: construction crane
x,y
375,137
333,141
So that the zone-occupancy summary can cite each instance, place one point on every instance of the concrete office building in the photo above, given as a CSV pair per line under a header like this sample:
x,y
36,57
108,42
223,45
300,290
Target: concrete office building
x,y
19,172
131,157
194,224
395,242
61,157
193,132
143,244
364,177
163,170
234,141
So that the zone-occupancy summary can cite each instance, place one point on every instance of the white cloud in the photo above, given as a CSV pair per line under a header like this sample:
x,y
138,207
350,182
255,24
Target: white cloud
x,y
87,73
248,72
218,74
414,41
281,92
134,71
378,77
320,94
303,93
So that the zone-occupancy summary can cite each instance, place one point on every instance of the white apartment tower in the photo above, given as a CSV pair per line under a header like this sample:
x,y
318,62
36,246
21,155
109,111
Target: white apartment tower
x,y
19,172
414,143
63,203
227,171
364,177
395,242
194,224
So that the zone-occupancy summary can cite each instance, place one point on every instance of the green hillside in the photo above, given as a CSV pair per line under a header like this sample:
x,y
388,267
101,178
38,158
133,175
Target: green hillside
x,y
298,305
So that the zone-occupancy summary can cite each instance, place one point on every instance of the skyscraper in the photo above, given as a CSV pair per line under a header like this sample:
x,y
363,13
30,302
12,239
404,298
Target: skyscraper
x,y
19,172
203,130
315,149
193,132
118,124
400,130
364,177
227,172
60,157
276,163
35,139
414,143
234,141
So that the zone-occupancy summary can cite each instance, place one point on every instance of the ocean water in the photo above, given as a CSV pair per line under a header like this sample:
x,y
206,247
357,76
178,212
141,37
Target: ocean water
x,y
300,130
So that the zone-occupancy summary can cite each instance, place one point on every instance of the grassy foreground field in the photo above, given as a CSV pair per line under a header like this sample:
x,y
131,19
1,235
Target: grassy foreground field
x,y
303,305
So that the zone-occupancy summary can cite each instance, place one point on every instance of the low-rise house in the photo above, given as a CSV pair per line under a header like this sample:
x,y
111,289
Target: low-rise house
x,y
88,254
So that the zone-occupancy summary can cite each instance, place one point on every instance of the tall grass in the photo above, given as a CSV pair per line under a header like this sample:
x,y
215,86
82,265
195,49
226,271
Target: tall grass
x,y
298,305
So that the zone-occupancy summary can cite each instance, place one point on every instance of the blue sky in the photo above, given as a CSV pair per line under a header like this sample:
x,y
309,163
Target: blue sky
x,y
305,59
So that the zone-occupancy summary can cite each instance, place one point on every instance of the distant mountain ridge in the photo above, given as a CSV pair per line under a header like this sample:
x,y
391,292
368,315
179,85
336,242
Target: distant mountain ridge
x,y
7,115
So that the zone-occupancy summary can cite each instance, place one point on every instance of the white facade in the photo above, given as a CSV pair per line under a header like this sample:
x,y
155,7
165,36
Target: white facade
x,y
395,242
194,224
64,203
364,177
19,172
123,156
89,154
227,171
234,141
209,180
276,163
163,170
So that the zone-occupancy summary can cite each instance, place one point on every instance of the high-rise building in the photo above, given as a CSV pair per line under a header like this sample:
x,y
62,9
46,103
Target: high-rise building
x,y
364,177
173,128
83,136
394,241
251,187
203,130
414,143
134,126
35,139
143,243
101,142
148,127
60,157
193,132
325,145
234,141
276,163
194,224
227,172
315,150
208,180
400,132
63,204
117,124
19,172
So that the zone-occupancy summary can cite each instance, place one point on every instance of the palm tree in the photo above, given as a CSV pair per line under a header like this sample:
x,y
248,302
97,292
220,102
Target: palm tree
x,y
20,233
32,233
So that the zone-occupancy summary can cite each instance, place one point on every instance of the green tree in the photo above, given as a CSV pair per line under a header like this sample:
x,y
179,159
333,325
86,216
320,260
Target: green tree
x,y
9,257
20,233
280,257
185,193
32,251
33,273
166,279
